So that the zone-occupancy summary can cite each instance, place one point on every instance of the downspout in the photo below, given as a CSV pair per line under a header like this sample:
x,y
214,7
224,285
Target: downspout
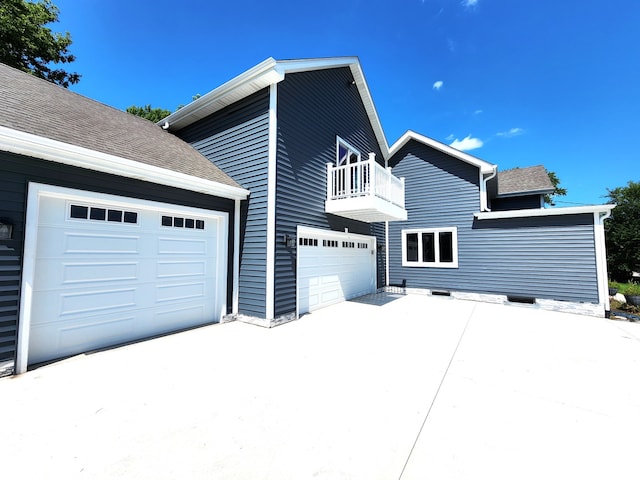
x,y
601,258
236,259
484,204
386,253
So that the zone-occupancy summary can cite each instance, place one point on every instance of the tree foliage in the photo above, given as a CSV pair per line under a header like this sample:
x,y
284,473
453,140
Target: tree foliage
x,y
623,232
558,190
28,45
153,114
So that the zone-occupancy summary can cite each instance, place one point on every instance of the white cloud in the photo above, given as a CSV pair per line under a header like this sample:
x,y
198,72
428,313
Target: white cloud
x,y
514,132
466,143
477,112
469,3
438,85
450,137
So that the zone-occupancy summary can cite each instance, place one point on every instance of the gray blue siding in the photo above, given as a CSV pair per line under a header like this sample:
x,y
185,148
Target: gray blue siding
x,y
17,171
236,139
515,203
313,108
543,257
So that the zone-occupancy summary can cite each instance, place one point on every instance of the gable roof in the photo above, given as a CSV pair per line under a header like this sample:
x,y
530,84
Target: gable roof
x,y
270,72
485,167
519,181
40,119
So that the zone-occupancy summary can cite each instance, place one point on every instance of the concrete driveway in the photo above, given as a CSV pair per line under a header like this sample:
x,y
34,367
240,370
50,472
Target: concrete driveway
x,y
416,387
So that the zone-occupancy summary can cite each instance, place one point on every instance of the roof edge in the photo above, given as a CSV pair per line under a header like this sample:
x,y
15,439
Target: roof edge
x,y
542,212
22,143
267,73
484,166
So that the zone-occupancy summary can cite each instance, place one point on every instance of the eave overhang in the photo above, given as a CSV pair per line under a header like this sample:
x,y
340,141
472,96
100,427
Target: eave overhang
x,y
270,72
23,143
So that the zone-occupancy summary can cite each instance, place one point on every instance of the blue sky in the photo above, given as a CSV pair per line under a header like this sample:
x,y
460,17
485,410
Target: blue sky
x,y
516,83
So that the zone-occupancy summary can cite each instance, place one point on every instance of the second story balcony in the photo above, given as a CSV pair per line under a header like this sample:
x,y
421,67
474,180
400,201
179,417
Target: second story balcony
x,y
365,191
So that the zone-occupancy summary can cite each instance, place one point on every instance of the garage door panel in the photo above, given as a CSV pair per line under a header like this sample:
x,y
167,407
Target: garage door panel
x,y
96,284
333,267
82,335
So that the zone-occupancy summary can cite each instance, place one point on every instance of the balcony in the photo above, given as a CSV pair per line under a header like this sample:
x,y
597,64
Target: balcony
x,y
365,191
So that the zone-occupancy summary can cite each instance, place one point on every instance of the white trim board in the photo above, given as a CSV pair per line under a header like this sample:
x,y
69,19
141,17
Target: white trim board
x,y
543,212
36,146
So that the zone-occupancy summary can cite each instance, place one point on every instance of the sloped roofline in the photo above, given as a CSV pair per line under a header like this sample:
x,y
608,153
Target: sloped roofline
x,y
28,144
270,72
485,167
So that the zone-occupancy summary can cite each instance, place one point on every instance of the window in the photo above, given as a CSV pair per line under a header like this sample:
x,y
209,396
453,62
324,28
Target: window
x,y
84,212
345,153
181,222
430,247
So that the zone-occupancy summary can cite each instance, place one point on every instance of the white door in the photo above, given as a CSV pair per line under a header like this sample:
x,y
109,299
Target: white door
x,y
111,269
333,267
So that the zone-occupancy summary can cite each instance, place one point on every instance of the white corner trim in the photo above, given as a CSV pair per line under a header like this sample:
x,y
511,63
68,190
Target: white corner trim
x,y
236,259
601,258
271,203
28,277
31,145
543,212
485,167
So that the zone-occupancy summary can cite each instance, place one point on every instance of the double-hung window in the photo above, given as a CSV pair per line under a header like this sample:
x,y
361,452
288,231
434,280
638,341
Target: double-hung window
x,y
430,247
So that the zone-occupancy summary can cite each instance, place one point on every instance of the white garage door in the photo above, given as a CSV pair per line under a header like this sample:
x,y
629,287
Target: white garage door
x,y
111,269
333,267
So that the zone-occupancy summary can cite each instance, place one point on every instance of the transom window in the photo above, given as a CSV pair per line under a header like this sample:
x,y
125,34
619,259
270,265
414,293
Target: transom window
x,y
430,247
345,153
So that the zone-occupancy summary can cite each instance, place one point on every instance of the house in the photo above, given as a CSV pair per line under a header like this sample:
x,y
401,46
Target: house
x,y
114,229
273,195
303,136
475,233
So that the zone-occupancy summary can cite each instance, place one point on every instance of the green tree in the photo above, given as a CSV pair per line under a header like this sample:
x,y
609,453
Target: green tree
x,y
558,191
28,45
623,232
153,114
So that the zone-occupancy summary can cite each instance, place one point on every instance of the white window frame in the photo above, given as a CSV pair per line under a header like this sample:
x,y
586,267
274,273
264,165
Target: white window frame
x,y
351,151
437,263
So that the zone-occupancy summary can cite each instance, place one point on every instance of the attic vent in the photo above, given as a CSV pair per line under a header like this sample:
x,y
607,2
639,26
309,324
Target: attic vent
x,y
519,299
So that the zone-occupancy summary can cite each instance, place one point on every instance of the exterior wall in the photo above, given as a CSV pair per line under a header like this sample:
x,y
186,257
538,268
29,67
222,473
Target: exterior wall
x,y
313,108
543,257
515,203
17,171
236,139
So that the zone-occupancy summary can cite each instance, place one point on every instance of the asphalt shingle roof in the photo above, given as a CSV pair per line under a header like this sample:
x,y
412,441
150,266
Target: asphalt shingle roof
x,y
32,105
524,180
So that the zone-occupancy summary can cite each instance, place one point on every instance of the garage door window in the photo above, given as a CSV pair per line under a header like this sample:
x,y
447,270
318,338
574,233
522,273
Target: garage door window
x,y
182,222
102,214
435,247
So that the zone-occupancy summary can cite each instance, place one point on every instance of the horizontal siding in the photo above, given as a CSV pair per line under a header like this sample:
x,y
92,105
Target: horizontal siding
x,y
313,107
17,171
543,257
236,139
515,203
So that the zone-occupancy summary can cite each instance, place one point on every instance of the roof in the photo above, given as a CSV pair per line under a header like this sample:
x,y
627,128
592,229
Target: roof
x,y
519,181
270,72
41,119
485,167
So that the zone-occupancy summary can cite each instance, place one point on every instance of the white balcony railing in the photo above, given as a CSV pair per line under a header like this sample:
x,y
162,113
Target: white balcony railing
x,y
365,191
364,178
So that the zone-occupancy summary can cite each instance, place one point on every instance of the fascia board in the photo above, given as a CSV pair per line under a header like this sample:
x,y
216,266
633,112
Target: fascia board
x,y
485,167
525,192
31,145
267,73
251,81
543,212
